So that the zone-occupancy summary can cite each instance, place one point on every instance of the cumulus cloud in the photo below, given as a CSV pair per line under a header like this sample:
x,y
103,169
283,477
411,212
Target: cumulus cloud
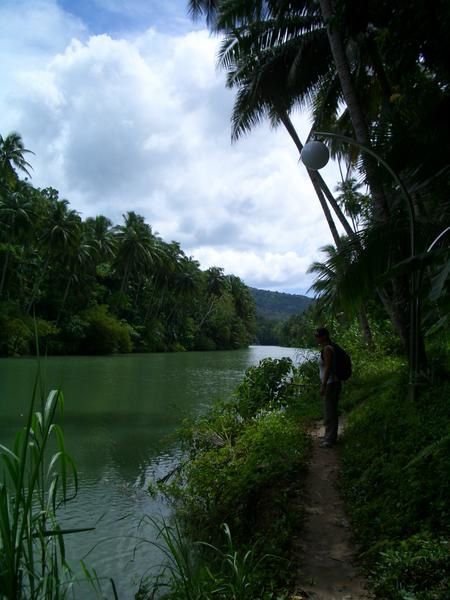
x,y
142,123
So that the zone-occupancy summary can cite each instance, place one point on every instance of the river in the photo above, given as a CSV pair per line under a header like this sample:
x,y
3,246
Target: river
x,y
120,412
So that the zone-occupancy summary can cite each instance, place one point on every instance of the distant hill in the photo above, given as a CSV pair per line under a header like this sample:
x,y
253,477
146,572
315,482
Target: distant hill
x,y
278,305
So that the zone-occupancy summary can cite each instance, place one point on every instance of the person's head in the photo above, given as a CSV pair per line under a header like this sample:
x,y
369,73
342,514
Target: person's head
x,y
322,336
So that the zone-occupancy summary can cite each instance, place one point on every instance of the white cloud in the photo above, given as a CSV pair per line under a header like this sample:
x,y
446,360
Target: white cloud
x,y
143,124
264,270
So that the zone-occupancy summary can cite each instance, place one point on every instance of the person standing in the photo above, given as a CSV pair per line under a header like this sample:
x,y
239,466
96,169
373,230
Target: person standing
x,y
330,387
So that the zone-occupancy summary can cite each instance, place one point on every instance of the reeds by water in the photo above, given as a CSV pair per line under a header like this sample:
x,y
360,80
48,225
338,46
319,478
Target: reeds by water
x,y
34,482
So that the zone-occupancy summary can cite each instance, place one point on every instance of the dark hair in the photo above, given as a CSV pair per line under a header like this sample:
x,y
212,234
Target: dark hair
x,y
322,332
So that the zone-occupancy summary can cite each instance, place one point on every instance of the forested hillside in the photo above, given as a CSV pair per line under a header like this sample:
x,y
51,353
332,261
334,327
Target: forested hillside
x,y
93,287
275,312
278,305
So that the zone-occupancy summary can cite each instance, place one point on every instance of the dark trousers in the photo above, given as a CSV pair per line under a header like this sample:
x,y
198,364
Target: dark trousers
x,y
331,418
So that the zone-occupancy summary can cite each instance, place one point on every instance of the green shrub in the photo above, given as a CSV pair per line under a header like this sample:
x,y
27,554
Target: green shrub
x,y
396,474
229,480
243,466
45,331
397,463
415,569
15,336
104,333
203,342
268,385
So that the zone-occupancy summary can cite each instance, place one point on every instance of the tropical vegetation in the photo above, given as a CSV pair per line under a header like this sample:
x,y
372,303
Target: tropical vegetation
x,y
378,75
376,78
242,473
97,288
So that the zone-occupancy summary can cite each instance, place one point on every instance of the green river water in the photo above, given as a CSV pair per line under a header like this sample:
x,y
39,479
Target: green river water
x,y
119,414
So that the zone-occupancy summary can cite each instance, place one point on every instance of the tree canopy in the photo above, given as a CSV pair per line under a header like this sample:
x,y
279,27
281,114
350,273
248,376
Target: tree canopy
x,y
89,286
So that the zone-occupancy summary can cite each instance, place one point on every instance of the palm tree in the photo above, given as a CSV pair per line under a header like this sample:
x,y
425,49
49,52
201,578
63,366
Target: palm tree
x,y
59,236
186,285
328,286
78,261
353,102
16,212
268,53
215,285
242,298
137,249
261,67
100,235
12,152
355,204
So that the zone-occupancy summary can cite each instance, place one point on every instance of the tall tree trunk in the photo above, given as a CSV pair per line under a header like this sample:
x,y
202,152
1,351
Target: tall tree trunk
x,y
63,302
4,270
126,274
353,104
396,306
365,327
37,284
318,182
321,188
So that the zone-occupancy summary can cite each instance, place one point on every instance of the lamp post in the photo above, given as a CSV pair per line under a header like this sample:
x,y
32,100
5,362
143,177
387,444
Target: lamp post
x,y
315,156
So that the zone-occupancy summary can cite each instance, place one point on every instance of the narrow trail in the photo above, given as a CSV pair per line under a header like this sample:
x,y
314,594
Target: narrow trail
x,y
325,550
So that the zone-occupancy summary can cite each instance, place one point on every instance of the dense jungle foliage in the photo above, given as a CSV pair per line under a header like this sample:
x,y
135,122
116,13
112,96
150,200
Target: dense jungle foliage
x,y
92,287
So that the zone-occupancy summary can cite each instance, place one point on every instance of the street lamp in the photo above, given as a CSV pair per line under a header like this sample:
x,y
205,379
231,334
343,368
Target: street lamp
x,y
313,154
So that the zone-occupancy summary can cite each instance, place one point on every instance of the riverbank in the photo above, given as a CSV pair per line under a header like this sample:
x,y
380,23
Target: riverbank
x,y
394,481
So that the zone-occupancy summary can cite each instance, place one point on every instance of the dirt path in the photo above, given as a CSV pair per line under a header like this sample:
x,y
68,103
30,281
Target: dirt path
x,y
325,551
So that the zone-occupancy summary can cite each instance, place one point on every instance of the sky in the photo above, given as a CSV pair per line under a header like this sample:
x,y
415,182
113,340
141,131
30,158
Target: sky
x,y
123,105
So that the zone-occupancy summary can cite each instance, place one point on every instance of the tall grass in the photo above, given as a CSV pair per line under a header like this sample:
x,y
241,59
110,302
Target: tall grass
x,y
203,571
33,486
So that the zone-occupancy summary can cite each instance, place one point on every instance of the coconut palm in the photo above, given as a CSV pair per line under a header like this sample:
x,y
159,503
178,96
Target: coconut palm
x,y
59,236
329,289
280,39
355,204
270,81
12,152
138,249
79,261
100,235
16,212
242,298
216,283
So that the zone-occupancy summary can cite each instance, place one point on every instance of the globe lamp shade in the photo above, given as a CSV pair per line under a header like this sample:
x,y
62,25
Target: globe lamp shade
x,y
315,155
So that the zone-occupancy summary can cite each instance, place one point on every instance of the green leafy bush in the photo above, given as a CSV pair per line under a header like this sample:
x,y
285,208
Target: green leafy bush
x,y
397,463
268,385
396,475
104,333
243,466
228,482
415,569
15,336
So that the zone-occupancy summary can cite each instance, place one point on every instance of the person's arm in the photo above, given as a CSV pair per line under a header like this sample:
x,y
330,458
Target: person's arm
x,y
328,360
